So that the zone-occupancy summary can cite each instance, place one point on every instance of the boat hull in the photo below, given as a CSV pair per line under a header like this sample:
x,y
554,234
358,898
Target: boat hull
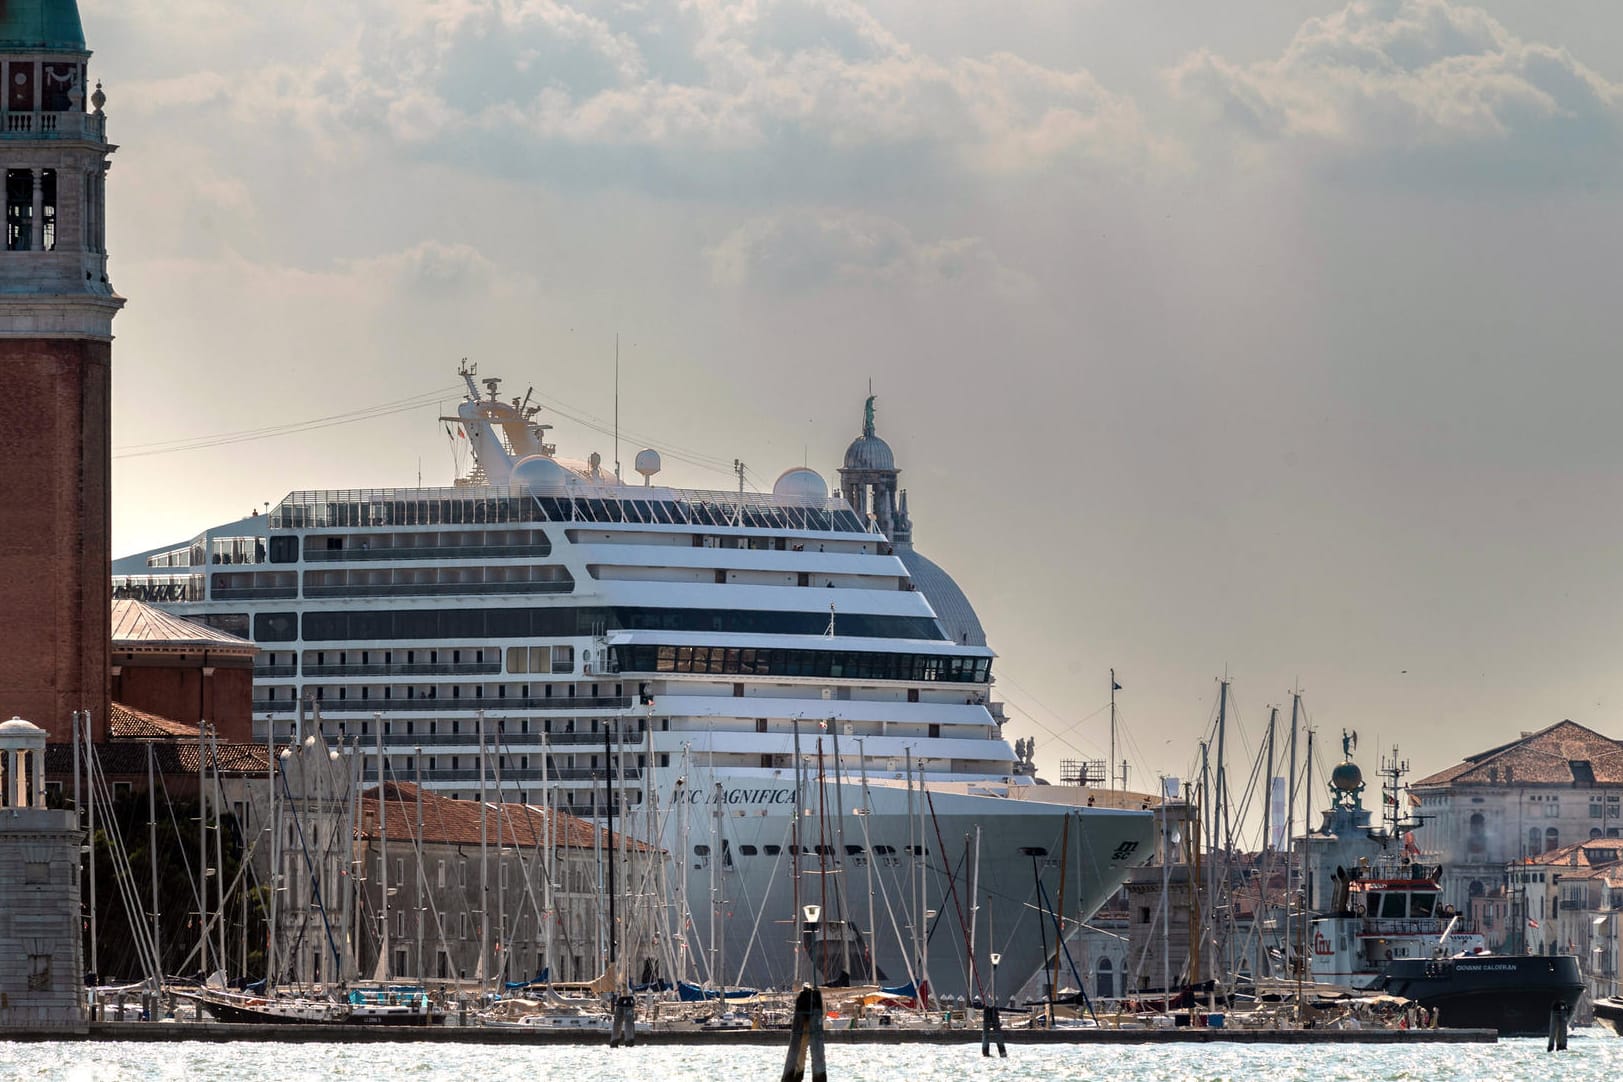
x,y
1513,994
867,849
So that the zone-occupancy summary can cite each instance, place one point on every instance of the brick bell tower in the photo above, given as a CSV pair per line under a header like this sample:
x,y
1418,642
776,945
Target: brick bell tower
x,y
56,332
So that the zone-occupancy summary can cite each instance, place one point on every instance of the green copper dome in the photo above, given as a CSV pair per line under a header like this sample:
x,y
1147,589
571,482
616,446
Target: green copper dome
x,y
41,26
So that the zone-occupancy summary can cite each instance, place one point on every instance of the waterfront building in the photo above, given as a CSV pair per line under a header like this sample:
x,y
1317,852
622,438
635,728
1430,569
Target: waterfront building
x,y
388,883
1543,791
186,672
56,314
540,906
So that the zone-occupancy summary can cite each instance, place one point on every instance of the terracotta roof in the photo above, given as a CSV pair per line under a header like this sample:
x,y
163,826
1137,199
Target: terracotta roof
x,y
128,758
1592,853
140,626
128,723
1565,754
456,822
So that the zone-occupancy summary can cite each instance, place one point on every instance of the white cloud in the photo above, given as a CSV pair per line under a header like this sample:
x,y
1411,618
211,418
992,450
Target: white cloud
x,y
813,249
1413,76
699,96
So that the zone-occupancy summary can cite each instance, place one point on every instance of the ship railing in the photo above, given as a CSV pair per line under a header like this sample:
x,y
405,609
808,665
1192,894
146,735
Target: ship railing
x,y
419,552
510,741
585,503
268,672
476,668
252,593
1422,926
426,589
630,773
458,706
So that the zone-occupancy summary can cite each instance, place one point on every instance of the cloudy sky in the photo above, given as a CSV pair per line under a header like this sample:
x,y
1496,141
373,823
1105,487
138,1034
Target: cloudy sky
x,y
1274,339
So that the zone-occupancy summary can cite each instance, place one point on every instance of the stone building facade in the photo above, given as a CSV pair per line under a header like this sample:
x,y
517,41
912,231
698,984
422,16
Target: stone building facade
x,y
56,314
1539,793
423,908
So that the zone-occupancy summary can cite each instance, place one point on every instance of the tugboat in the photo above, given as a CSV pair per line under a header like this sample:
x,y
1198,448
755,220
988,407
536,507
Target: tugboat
x,y
1386,928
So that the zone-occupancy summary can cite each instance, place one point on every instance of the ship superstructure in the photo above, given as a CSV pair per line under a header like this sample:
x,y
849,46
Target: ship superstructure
x,y
759,680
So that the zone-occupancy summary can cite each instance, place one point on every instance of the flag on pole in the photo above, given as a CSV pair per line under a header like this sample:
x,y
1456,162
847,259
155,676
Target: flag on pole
x,y
1114,686
1531,923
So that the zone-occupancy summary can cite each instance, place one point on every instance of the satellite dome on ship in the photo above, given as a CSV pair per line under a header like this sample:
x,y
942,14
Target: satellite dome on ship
x,y
801,482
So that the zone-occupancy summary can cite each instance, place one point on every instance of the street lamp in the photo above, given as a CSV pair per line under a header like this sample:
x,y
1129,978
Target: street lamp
x,y
996,958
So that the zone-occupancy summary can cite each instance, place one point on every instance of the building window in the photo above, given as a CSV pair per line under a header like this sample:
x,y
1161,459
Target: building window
x,y
1552,839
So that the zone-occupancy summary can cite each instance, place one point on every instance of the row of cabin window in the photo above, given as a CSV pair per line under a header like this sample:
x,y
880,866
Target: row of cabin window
x,y
561,622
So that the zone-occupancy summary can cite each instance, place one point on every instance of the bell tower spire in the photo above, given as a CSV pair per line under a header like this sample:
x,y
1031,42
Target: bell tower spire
x,y
56,331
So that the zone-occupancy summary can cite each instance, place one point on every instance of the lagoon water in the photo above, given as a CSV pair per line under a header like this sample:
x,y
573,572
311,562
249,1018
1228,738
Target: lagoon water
x,y
1592,1055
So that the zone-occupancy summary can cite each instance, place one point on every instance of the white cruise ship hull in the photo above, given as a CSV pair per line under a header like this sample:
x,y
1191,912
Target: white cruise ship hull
x,y
741,897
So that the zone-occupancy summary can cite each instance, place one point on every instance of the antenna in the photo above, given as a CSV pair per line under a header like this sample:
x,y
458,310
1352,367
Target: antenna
x,y
616,406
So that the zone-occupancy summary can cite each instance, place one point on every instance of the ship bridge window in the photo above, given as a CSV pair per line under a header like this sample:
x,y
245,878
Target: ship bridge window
x,y
1395,904
817,664
1422,904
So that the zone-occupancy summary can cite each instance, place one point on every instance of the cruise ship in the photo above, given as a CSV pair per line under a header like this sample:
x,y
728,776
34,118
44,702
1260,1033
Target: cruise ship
x,y
777,688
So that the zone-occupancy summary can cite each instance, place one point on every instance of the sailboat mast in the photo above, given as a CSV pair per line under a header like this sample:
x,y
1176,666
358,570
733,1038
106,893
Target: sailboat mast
x,y
794,854
383,855
202,854
1111,771
152,853
417,894
1290,822
484,864
1267,847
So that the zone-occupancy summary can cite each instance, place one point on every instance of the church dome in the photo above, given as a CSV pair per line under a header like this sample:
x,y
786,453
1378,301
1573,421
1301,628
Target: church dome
x,y
869,453
41,26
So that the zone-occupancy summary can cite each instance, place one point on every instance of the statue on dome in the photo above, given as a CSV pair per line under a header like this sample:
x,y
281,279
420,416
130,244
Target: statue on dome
x,y
867,415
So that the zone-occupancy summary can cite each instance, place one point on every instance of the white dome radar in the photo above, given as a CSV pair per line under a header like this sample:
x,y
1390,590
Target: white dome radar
x,y
647,464
801,482
534,473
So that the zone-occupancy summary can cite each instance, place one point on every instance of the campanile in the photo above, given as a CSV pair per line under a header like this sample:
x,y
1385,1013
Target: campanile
x,y
56,332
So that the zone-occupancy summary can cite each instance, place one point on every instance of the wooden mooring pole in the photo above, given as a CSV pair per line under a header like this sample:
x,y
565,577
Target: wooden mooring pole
x,y
1558,1027
807,1036
623,1028
992,1024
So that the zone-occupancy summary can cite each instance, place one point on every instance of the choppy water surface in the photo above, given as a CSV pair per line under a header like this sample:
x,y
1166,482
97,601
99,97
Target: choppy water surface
x,y
1597,1056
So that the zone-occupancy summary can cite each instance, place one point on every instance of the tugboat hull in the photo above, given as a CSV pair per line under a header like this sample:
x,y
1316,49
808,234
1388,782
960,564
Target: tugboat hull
x,y
1510,993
